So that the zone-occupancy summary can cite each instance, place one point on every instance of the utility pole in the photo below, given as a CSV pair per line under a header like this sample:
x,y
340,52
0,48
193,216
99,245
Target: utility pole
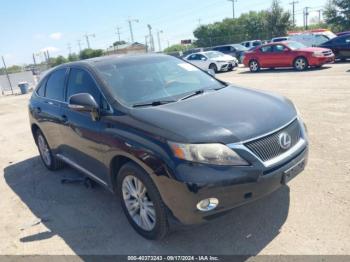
x,y
79,45
87,39
319,15
233,7
151,40
293,4
8,77
34,60
146,42
159,42
306,16
69,48
118,33
199,22
130,21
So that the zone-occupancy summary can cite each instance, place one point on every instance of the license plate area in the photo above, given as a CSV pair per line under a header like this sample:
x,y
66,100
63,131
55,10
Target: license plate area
x,y
292,172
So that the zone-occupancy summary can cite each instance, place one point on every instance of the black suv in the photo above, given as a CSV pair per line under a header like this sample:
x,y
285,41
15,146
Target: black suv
x,y
340,46
171,140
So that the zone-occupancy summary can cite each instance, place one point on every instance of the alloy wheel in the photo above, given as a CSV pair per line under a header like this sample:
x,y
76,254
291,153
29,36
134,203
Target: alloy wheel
x,y
254,66
140,207
300,64
44,150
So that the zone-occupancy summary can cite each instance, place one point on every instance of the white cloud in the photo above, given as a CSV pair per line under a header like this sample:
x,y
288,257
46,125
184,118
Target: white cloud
x,y
56,36
51,49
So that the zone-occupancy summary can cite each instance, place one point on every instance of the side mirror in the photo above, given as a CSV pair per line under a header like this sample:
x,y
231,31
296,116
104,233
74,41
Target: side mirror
x,y
211,72
84,102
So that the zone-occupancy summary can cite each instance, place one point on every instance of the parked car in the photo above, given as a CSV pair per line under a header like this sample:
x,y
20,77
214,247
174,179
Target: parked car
x,y
340,46
235,50
312,38
343,33
213,60
279,39
251,44
287,54
171,140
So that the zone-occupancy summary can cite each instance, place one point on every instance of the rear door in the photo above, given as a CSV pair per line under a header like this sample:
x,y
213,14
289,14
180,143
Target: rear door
x,y
83,137
48,107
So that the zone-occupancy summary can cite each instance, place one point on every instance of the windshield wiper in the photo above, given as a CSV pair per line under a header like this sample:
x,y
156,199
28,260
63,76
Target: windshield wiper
x,y
155,103
199,92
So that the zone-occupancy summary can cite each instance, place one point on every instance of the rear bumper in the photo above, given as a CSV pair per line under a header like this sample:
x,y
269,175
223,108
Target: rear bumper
x,y
232,186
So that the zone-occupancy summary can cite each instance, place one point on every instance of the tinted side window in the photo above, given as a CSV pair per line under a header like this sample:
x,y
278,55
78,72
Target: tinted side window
x,y
266,49
41,89
80,81
278,48
55,85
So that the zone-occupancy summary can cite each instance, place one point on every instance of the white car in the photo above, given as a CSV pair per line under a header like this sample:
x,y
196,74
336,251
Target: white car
x,y
217,61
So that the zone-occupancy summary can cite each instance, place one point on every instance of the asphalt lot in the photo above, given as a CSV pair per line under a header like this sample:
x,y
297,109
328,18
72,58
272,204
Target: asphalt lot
x,y
311,216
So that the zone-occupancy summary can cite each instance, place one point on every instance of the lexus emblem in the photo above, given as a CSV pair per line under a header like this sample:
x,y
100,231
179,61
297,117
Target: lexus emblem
x,y
285,140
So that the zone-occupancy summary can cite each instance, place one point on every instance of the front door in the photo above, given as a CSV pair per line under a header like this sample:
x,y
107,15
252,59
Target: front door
x,y
82,136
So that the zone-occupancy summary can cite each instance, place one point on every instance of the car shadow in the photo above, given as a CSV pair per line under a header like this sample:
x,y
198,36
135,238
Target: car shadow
x,y
91,221
285,70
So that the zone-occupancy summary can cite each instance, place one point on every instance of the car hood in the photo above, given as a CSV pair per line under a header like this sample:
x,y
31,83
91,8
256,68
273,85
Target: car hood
x,y
230,115
224,58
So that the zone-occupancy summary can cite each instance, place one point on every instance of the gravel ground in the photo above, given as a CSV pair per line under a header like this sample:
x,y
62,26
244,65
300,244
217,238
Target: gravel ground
x,y
311,216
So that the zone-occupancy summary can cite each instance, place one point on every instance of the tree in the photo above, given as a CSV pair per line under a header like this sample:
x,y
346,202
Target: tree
x,y
90,53
249,26
176,48
278,21
58,61
337,15
119,43
73,57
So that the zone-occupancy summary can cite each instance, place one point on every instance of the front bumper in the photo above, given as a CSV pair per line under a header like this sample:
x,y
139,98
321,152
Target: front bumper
x,y
232,186
318,61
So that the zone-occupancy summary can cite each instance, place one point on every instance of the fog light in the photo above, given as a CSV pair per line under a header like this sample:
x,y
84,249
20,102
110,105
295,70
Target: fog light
x,y
207,204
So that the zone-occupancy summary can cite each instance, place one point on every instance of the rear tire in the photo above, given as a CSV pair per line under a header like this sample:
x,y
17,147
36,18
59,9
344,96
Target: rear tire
x,y
49,160
300,64
213,67
254,66
141,202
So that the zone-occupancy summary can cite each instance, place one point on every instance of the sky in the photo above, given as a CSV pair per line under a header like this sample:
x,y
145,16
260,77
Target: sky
x,y
31,26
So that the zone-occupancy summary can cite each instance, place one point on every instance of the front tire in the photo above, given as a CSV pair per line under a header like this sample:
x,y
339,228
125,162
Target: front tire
x,y
213,67
300,64
142,203
254,66
49,160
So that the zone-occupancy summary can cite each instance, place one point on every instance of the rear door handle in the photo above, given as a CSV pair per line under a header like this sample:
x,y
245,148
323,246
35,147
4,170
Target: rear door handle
x,y
64,118
38,110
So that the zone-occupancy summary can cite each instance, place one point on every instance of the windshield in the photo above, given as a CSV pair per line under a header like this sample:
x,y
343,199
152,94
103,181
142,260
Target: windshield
x,y
146,79
295,45
213,54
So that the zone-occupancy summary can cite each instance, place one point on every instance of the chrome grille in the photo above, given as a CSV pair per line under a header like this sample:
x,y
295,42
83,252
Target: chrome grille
x,y
327,53
268,147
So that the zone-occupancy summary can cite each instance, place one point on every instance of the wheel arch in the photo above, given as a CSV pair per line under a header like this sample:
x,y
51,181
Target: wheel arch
x,y
34,129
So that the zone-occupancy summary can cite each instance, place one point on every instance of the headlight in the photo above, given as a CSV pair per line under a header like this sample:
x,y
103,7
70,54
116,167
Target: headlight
x,y
215,154
318,54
